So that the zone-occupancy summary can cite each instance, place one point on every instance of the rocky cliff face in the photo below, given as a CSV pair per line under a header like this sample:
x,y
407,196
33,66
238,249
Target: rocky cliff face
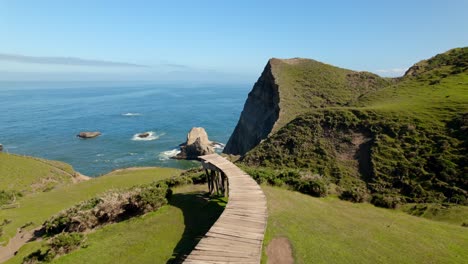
x,y
261,111
288,88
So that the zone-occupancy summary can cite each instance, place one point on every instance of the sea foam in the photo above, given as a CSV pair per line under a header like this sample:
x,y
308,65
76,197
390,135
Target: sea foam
x,y
131,114
165,155
152,136
218,146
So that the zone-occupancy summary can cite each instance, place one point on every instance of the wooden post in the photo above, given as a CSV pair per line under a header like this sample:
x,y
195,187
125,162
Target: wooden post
x,y
214,176
224,182
208,180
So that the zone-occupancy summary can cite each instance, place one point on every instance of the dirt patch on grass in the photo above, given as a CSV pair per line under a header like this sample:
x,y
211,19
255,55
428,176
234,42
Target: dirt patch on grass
x,y
279,251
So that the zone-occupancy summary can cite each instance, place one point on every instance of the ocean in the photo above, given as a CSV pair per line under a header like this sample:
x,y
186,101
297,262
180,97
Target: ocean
x,y
42,120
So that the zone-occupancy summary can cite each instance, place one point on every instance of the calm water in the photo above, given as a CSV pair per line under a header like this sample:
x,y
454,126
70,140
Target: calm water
x,y
44,122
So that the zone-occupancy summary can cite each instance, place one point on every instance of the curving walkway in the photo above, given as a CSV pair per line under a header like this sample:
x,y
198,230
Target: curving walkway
x,y
237,235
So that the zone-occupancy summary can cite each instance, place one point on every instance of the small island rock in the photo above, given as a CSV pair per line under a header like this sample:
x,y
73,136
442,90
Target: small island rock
x,y
88,134
143,135
197,144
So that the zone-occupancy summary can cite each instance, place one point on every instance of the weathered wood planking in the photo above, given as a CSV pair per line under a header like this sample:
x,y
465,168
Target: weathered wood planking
x,y
237,235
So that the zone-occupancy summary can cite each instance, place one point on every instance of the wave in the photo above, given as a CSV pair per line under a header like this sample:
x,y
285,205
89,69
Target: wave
x,y
131,114
165,155
152,136
218,145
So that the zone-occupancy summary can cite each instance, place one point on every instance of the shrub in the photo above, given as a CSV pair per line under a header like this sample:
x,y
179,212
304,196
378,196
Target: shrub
x,y
59,245
315,187
7,197
355,195
196,176
150,198
65,243
39,256
386,200
112,206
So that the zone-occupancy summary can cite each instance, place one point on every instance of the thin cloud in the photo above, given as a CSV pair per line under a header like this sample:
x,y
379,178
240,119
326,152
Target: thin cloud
x,y
66,61
174,65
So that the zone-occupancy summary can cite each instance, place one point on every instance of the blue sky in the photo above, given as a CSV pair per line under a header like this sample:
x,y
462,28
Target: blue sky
x,y
218,40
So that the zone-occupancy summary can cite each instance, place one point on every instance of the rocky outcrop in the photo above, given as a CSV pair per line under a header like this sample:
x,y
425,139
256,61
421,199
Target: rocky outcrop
x,y
89,134
143,135
197,144
261,111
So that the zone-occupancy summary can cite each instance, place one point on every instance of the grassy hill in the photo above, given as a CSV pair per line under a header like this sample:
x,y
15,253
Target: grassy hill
x,y
157,237
35,208
403,143
306,84
26,174
322,230
327,230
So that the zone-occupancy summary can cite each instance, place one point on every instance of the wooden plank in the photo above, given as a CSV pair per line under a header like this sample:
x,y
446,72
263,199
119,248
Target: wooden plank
x,y
237,235
235,238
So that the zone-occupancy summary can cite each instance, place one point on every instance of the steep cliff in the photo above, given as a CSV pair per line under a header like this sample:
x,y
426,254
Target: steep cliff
x,y
402,143
261,111
290,87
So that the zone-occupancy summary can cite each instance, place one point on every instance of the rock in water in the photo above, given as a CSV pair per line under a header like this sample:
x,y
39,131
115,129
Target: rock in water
x,y
143,135
197,144
89,134
1,147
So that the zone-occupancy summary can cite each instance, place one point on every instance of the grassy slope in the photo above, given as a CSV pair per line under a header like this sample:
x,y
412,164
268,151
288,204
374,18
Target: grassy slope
x,y
156,237
332,231
416,128
449,213
38,207
27,174
305,84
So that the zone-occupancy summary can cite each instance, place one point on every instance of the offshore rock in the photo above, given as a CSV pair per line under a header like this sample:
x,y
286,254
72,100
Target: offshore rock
x,y
88,134
197,144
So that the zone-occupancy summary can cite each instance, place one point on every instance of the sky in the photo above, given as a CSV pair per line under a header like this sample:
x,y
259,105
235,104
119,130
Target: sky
x,y
218,41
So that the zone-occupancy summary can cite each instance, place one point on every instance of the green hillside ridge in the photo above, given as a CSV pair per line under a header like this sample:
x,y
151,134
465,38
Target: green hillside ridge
x,y
406,142
291,87
305,84
27,174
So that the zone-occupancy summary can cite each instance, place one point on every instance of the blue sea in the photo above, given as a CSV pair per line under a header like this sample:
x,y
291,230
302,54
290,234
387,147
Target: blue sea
x,y
43,119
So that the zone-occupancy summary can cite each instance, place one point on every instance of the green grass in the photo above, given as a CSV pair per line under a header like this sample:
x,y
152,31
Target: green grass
x,y
328,230
27,174
454,214
308,84
156,237
38,207
404,143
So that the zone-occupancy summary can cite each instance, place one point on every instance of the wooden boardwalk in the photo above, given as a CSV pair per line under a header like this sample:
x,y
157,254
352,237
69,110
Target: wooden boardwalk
x,y
237,235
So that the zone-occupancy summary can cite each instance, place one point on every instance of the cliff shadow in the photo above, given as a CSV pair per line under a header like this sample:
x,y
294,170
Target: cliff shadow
x,y
200,212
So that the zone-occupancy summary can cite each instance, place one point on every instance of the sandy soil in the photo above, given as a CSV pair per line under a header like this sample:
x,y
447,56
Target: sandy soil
x,y
279,251
15,243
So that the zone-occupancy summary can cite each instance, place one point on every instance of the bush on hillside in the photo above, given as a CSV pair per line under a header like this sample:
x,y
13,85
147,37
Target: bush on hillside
x,y
59,245
299,181
112,206
65,243
195,176
386,200
355,195
7,197
314,187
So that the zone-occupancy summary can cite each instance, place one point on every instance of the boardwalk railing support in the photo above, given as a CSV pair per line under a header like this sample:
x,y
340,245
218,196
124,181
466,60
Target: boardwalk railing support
x,y
237,235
